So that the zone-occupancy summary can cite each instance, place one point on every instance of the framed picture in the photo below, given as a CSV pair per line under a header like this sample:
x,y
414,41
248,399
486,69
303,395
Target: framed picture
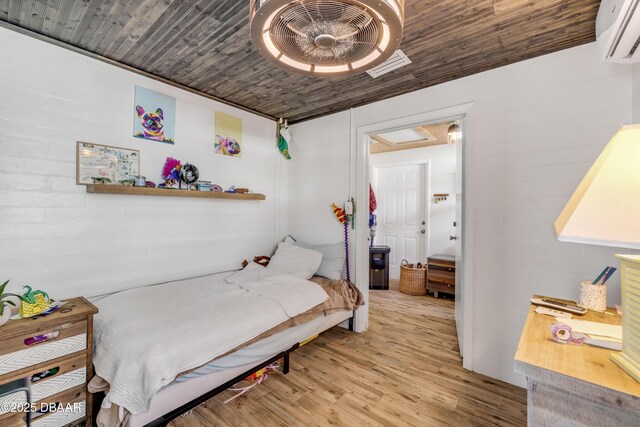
x,y
228,138
154,116
102,164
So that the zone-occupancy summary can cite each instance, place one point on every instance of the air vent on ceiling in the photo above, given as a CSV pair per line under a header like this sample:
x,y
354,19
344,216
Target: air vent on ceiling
x,y
397,60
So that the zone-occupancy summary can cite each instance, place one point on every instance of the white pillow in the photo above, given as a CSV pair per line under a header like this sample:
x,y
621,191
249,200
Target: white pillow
x,y
296,261
333,257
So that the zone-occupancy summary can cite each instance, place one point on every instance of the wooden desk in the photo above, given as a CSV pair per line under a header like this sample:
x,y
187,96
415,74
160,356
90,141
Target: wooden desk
x,y
574,385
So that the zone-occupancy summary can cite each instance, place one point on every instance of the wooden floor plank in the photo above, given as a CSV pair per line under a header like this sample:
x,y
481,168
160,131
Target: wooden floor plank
x,y
404,371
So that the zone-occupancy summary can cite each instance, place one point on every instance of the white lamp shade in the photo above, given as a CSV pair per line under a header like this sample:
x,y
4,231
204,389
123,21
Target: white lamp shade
x,y
605,208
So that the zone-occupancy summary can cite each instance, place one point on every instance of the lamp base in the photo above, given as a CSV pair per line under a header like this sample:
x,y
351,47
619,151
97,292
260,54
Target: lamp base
x,y
630,365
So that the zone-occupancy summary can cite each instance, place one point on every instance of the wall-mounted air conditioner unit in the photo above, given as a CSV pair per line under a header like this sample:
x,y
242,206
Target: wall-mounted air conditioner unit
x,y
618,30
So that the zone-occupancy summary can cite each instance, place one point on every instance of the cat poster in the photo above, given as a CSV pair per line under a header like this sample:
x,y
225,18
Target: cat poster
x,y
154,116
228,135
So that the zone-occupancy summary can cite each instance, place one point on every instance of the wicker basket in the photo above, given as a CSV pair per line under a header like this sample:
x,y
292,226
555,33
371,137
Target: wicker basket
x,y
413,281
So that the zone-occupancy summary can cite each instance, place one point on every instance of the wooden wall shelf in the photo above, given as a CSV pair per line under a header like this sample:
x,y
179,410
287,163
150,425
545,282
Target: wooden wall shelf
x,y
146,191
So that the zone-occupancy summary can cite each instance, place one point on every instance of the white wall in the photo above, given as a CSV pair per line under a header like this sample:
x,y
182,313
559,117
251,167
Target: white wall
x,y
534,130
442,179
320,165
56,237
636,93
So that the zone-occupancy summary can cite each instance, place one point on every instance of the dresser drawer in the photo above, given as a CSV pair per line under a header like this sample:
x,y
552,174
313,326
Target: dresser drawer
x,y
61,376
16,353
441,277
441,287
60,410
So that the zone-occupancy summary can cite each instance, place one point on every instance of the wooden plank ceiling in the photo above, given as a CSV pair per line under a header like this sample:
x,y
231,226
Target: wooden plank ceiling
x,y
205,45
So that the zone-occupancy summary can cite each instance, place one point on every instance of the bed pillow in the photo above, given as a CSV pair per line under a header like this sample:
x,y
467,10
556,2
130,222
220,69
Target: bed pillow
x,y
297,261
333,257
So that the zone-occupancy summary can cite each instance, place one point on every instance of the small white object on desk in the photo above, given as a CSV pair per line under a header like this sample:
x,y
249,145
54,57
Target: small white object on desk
x,y
553,313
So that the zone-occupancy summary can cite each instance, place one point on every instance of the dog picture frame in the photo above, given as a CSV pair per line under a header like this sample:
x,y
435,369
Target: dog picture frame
x,y
228,135
154,116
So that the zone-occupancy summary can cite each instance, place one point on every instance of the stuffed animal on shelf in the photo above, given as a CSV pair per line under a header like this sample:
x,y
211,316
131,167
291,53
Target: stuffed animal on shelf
x,y
171,172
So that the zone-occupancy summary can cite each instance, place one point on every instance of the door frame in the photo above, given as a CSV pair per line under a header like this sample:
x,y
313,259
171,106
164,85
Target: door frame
x,y
426,206
361,179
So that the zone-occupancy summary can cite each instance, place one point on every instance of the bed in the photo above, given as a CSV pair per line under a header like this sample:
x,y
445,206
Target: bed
x,y
141,396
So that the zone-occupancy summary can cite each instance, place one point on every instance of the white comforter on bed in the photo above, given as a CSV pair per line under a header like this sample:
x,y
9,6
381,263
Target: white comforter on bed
x,y
144,337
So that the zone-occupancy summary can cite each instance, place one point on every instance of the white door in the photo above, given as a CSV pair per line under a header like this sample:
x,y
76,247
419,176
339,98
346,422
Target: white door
x,y
458,233
400,193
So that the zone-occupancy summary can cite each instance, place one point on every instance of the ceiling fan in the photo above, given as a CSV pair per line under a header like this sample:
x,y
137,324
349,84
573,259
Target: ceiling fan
x,y
327,37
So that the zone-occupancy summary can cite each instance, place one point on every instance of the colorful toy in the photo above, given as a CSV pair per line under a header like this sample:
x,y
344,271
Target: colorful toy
x,y
339,213
344,219
284,138
171,172
256,378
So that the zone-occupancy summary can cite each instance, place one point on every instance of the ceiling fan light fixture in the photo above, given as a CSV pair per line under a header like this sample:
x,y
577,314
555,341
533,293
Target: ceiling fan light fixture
x,y
327,37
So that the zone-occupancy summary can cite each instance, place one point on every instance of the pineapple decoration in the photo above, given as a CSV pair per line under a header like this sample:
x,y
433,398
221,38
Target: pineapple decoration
x,y
33,302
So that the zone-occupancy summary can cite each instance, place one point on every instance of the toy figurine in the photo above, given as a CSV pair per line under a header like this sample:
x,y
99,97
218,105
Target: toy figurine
x,y
171,172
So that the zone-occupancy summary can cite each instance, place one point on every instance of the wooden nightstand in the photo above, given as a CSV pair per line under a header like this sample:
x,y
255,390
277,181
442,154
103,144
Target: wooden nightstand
x,y
574,385
59,367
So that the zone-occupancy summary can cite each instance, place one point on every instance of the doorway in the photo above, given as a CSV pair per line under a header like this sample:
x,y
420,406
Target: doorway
x,y
363,176
401,214
413,175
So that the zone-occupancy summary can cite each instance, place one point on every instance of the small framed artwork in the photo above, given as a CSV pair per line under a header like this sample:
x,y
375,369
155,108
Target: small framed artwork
x,y
228,138
154,116
102,164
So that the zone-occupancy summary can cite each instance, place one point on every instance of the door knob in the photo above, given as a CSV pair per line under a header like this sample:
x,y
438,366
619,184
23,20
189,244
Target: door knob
x,y
453,238
422,231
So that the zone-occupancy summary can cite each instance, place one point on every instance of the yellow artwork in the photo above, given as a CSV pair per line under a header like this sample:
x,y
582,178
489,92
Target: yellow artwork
x,y
228,139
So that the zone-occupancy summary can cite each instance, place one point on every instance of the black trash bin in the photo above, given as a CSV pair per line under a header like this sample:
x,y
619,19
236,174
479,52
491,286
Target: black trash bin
x,y
379,267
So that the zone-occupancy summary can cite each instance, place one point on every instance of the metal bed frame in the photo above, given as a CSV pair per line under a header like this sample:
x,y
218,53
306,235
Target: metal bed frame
x,y
163,420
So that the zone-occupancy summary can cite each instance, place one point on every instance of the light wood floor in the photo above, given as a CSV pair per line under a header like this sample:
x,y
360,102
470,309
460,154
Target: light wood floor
x,y
405,370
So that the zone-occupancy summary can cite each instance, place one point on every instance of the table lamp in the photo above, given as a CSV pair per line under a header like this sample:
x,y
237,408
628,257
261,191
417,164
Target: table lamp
x,y
605,210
